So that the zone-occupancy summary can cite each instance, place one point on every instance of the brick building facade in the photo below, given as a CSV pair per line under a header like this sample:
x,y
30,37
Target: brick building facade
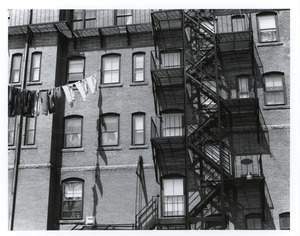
x,y
87,154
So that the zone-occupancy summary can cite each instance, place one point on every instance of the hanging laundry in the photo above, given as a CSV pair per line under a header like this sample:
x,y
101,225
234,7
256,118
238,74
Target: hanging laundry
x,y
84,85
10,100
68,94
79,86
51,105
44,100
57,93
28,103
91,81
72,91
16,102
36,106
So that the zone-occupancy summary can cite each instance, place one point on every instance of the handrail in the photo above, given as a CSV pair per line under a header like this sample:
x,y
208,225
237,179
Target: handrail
x,y
149,212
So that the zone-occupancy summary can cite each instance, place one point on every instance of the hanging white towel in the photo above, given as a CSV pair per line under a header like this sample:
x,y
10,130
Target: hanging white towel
x,y
68,94
91,81
79,86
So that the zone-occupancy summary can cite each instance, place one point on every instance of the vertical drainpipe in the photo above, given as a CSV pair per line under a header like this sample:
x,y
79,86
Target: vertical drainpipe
x,y
185,129
220,133
19,130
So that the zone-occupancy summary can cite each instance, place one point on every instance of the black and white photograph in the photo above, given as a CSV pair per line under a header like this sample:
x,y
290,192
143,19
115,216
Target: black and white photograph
x,y
151,119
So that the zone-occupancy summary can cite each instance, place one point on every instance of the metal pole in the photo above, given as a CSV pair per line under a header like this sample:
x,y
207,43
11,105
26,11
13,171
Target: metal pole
x,y
19,131
185,129
220,133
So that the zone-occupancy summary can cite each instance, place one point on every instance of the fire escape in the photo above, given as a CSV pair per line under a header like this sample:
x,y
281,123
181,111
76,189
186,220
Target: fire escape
x,y
208,136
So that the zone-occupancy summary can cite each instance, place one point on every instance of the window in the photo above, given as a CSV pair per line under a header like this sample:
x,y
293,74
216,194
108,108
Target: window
x,y
30,131
84,19
243,86
284,220
173,197
15,72
76,69
267,29
274,88
110,130
11,130
138,67
111,69
239,23
170,60
35,66
172,124
253,222
73,132
138,129
123,17
72,199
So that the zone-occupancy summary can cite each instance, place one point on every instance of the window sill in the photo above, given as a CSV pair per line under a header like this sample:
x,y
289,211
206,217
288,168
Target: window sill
x,y
138,147
269,44
29,147
14,84
276,107
111,85
71,221
139,84
72,150
110,148
34,83
11,147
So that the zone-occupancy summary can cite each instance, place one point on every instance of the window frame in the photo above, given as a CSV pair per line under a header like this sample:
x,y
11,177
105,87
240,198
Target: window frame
x,y
117,16
27,131
244,26
133,133
104,57
164,128
165,196
77,58
102,117
134,69
12,70
281,75
249,79
81,131
63,183
268,13
32,67
14,130
253,216
84,20
163,54
281,217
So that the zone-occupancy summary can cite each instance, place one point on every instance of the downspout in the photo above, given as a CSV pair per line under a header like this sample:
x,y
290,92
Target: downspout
x,y
19,130
187,224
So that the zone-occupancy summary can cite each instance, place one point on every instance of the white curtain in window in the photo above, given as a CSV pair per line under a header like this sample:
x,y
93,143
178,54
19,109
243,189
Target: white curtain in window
x,y
111,69
36,59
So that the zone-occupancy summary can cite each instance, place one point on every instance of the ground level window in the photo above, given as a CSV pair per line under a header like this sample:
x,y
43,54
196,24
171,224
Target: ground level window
x,y
253,222
173,197
72,199
284,220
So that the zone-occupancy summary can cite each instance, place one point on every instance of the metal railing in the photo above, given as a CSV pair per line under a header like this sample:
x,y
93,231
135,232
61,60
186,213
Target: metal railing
x,y
168,59
147,214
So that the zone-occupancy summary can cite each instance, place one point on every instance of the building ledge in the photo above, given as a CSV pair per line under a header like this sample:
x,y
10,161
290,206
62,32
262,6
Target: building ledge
x,y
111,85
29,147
73,150
110,148
34,83
139,84
280,107
269,44
131,147
11,147
71,221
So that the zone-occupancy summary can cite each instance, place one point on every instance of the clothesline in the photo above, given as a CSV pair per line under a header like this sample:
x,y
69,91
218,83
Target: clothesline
x,y
31,103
